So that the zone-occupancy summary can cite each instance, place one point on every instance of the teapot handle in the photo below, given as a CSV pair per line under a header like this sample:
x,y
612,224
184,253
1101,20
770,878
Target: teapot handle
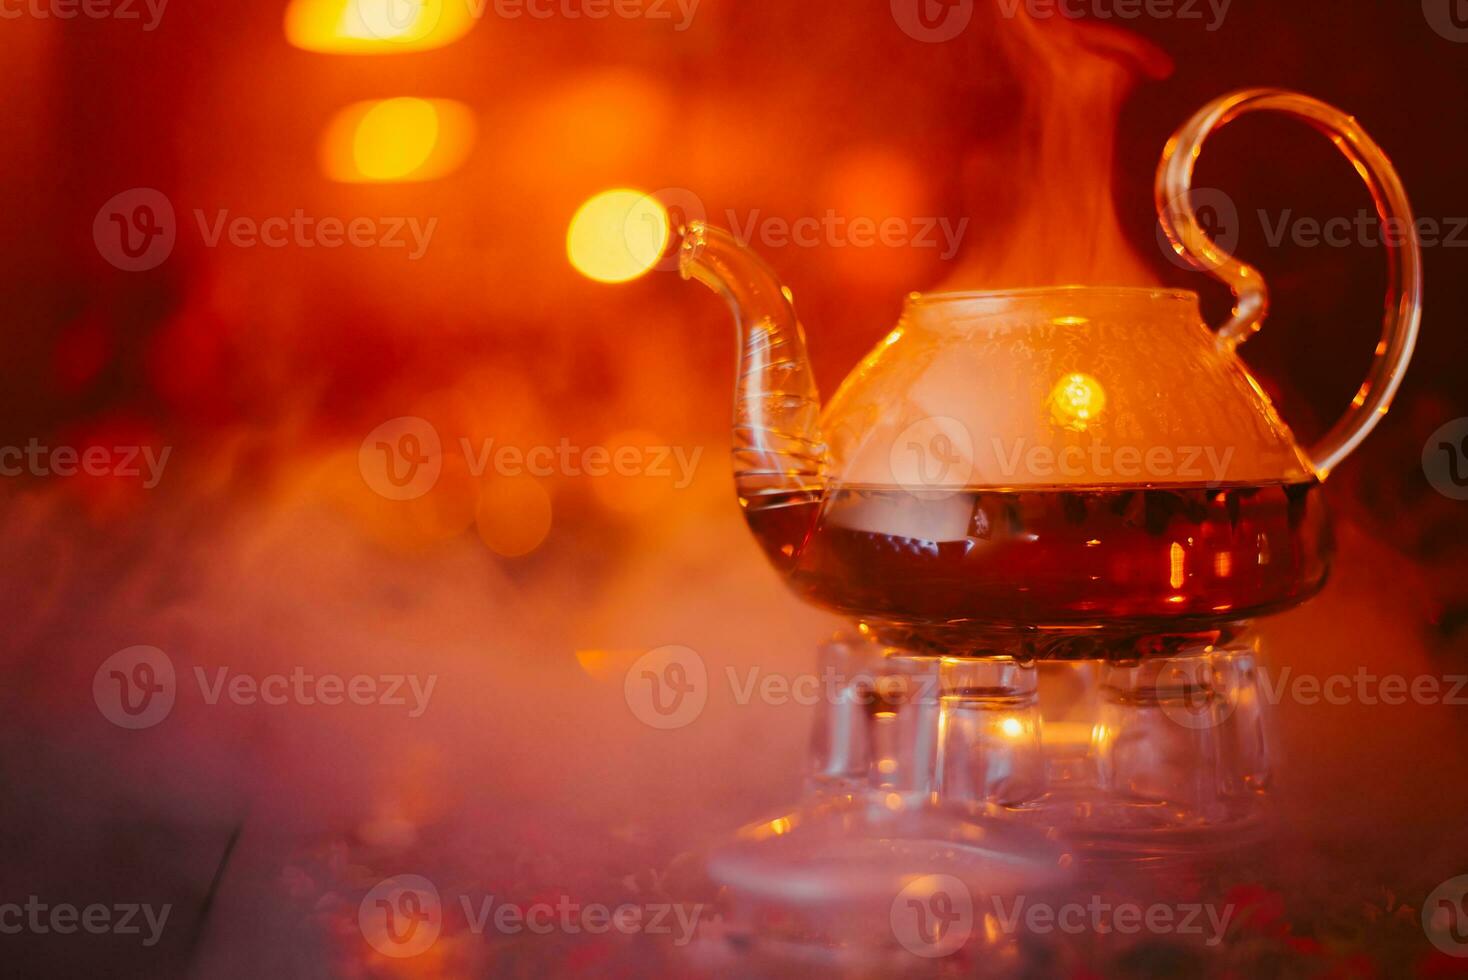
x,y
1251,296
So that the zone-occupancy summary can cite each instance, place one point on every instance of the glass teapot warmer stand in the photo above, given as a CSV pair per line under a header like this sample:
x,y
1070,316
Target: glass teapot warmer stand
x,y
1013,778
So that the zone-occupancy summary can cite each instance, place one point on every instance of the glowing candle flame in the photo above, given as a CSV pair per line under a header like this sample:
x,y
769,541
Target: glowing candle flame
x,y
1076,401
618,235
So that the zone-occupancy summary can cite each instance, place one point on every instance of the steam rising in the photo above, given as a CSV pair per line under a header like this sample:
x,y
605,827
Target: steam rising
x,y
1041,196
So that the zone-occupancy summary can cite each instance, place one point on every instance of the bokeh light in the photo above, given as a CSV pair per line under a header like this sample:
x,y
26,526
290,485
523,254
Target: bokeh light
x,y
402,139
514,515
376,26
617,235
1076,401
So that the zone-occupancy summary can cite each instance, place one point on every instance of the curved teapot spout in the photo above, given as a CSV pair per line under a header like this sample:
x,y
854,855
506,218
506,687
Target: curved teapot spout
x,y
779,452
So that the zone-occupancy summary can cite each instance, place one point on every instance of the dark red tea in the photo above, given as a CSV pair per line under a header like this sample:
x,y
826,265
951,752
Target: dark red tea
x,y
946,570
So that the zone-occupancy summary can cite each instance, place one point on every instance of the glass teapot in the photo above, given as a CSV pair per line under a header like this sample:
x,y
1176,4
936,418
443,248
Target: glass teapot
x,y
1057,472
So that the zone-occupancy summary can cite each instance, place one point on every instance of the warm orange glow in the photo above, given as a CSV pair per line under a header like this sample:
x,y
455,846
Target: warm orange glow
x,y
513,516
617,235
1178,571
606,664
877,194
403,139
1076,401
376,26
1012,727
629,489
630,118
404,526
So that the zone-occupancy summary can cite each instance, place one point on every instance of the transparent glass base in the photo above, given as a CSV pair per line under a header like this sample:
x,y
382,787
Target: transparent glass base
x,y
1170,746
989,778
879,878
